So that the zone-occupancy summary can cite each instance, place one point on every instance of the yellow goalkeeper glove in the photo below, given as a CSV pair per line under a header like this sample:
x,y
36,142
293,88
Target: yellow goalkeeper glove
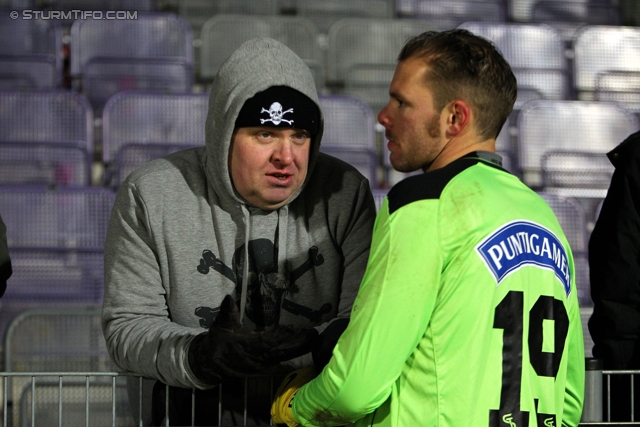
x,y
281,410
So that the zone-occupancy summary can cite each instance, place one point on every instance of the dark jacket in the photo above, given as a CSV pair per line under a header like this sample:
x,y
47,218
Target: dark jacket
x,y
614,262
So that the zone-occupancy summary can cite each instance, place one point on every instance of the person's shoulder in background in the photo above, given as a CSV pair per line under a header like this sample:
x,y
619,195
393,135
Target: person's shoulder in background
x,y
5,261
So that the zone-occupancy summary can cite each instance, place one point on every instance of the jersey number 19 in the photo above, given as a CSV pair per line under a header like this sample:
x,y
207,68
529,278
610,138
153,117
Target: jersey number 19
x,y
509,316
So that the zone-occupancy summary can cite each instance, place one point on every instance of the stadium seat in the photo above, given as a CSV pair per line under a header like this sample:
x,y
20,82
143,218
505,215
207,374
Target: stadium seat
x,y
360,43
12,5
565,10
30,53
362,55
349,133
46,138
62,339
21,36
108,400
56,241
103,78
325,13
57,339
197,12
49,163
570,139
520,10
370,83
607,63
153,52
28,72
569,169
104,5
576,11
619,86
571,217
45,115
141,126
67,11
570,15
223,34
536,54
448,15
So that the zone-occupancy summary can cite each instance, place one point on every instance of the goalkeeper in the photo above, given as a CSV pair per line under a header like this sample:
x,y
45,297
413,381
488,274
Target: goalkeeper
x,y
467,314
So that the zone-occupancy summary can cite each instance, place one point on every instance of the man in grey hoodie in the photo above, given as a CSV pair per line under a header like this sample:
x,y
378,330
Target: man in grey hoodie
x,y
260,190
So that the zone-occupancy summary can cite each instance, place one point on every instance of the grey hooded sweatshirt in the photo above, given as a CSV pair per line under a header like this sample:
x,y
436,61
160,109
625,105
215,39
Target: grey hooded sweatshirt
x,y
179,236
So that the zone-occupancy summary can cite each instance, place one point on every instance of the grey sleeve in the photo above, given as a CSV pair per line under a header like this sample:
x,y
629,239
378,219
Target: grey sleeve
x,y
5,261
139,334
354,239
355,245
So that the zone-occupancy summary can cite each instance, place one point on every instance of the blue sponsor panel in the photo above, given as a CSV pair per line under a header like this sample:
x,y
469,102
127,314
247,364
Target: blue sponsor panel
x,y
521,243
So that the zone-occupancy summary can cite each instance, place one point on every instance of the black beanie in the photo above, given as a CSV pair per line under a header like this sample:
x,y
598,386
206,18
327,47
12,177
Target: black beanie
x,y
280,106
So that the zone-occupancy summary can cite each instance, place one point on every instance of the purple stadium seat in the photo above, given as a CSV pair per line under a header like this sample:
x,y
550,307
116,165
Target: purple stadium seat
x,y
447,15
144,53
141,126
349,133
571,165
30,53
56,243
572,219
46,138
536,54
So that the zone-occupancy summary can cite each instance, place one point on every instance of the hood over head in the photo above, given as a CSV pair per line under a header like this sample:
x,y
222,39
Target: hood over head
x,y
256,66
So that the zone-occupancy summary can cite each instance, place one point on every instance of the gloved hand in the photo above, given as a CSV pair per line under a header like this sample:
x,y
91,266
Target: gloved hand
x,y
229,349
327,341
281,408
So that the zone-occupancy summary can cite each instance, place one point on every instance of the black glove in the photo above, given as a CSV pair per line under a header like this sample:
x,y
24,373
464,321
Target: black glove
x,y
327,341
229,349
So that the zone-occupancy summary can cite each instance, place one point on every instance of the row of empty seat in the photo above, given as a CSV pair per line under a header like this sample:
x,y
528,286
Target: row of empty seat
x,y
47,135
555,145
155,51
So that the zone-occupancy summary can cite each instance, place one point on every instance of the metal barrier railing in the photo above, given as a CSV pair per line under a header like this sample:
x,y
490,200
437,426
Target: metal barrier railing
x,y
97,399
607,376
90,399
605,389
64,399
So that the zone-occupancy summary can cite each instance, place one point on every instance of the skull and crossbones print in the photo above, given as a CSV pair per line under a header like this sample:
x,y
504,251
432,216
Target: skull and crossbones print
x,y
275,114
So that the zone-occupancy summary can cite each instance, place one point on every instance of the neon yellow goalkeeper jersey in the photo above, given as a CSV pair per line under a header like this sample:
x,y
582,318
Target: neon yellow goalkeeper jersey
x,y
467,315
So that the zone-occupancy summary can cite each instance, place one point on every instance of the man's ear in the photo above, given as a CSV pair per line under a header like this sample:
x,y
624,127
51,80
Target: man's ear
x,y
458,116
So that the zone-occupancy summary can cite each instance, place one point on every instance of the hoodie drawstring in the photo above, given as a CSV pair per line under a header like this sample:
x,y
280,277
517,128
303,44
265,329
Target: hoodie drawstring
x,y
281,242
245,264
281,236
